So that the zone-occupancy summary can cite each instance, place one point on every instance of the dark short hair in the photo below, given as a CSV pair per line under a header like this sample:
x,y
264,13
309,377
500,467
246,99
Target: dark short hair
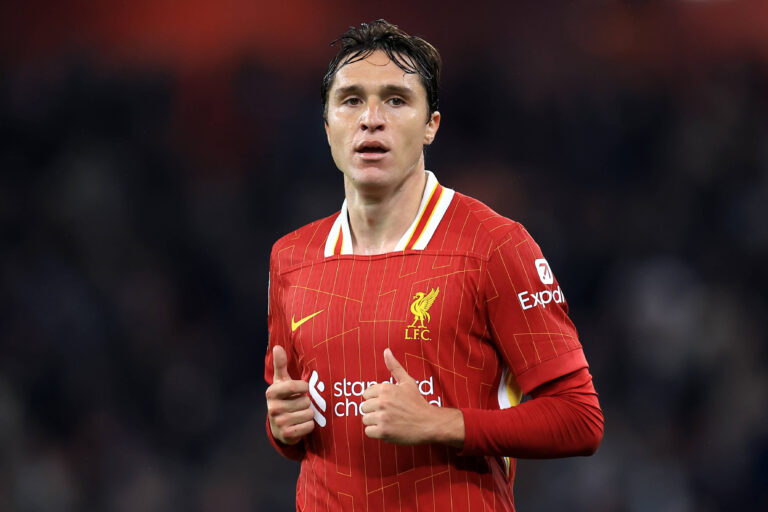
x,y
412,54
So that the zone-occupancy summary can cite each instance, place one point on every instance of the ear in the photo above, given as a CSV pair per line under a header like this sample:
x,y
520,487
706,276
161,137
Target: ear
x,y
432,126
327,133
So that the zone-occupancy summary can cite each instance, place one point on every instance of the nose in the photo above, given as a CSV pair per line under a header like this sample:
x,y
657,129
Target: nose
x,y
373,117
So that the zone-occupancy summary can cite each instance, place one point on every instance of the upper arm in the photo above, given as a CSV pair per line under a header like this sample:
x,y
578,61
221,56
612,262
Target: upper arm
x,y
528,314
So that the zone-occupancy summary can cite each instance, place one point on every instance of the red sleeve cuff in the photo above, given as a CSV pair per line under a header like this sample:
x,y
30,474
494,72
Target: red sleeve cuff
x,y
473,419
289,451
551,369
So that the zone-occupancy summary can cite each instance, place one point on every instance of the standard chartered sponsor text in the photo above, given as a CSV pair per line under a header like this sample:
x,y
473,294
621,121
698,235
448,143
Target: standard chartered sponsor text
x,y
352,391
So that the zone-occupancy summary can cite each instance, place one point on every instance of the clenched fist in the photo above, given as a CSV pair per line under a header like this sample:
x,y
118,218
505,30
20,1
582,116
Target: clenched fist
x,y
288,407
398,413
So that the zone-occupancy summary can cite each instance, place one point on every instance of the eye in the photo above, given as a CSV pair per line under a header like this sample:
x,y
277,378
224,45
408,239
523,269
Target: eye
x,y
352,101
396,101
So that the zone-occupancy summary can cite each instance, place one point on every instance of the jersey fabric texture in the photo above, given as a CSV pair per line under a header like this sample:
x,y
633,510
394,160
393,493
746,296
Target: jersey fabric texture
x,y
470,308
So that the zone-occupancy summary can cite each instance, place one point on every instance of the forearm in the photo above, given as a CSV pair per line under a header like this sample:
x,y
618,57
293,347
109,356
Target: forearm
x,y
446,427
563,419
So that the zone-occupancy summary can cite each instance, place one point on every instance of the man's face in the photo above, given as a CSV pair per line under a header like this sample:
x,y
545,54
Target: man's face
x,y
377,122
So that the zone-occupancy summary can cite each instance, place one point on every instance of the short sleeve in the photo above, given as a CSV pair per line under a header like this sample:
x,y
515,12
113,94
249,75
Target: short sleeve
x,y
528,313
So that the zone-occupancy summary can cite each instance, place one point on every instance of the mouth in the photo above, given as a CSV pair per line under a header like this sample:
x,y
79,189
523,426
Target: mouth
x,y
371,149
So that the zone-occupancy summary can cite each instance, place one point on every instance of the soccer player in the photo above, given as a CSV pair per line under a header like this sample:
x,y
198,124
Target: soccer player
x,y
405,328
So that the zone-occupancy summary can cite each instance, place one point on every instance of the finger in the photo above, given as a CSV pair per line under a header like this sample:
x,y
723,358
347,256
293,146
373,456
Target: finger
x,y
369,406
295,433
371,418
280,364
289,419
372,391
287,389
374,432
395,368
301,403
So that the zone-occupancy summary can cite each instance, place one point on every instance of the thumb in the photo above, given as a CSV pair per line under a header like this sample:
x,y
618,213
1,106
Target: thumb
x,y
395,368
280,364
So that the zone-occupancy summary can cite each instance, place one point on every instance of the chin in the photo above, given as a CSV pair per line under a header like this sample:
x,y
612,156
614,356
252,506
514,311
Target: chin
x,y
373,177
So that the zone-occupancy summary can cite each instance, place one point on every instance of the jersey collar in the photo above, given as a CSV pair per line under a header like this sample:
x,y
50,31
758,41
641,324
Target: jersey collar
x,y
434,204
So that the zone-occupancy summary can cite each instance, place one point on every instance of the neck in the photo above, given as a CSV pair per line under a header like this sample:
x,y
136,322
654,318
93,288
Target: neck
x,y
379,220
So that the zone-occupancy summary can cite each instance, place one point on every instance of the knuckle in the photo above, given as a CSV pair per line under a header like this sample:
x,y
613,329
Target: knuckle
x,y
299,430
290,433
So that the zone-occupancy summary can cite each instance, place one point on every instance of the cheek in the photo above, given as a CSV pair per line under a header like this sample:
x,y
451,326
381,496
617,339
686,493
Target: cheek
x,y
336,141
336,154
415,137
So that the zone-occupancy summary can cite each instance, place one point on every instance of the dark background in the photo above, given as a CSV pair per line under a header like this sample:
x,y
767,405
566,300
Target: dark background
x,y
152,151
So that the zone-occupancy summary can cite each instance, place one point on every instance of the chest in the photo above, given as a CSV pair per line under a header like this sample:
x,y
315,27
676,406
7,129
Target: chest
x,y
427,307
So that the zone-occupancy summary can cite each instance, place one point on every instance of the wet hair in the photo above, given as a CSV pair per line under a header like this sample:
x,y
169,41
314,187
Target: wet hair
x,y
412,54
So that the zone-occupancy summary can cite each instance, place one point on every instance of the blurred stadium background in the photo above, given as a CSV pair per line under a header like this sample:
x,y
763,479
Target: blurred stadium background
x,y
151,151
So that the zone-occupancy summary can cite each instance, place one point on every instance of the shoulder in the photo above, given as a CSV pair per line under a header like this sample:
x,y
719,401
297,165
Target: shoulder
x,y
487,229
304,244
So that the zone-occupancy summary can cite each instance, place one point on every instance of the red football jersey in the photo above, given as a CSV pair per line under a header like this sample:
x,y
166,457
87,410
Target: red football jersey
x,y
470,308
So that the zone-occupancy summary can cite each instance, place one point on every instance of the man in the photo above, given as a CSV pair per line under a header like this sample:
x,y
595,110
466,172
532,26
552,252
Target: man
x,y
405,329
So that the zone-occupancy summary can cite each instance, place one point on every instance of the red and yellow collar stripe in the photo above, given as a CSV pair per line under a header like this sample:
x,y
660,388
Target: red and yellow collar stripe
x,y
339,243
434,204
424,217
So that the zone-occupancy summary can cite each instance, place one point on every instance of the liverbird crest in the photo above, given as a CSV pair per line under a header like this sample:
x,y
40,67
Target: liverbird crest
x,y
420,306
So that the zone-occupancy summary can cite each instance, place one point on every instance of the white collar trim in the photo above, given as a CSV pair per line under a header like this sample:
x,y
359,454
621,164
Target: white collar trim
x,y
434,204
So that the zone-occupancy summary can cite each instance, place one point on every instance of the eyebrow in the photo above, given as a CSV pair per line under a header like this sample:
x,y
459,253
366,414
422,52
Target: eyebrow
x,y
386,90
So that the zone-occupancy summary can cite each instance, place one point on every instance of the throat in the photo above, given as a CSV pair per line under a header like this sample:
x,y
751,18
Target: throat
x,y
375,232
378,224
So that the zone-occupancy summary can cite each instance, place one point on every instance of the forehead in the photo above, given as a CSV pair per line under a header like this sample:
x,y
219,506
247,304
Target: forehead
x,y
376,70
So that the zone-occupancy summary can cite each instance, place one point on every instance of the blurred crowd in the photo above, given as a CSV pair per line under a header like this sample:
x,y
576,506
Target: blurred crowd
x,y
138,205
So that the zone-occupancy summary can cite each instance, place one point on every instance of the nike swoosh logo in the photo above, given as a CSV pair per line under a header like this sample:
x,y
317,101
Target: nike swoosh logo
x,y
295,325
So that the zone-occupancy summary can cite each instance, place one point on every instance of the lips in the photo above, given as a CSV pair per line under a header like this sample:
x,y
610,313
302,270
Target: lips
x,y
371,151
371,147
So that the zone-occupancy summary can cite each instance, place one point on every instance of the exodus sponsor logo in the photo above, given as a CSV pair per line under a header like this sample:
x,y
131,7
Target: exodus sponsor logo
x,y
349,393
545,273
530,300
